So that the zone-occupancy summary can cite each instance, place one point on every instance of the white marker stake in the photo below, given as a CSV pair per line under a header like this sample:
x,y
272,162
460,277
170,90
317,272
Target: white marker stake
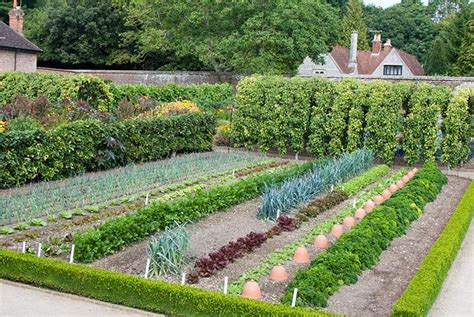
x,y
226,282
146,199
23,247
278,214
147,267
293,302
183,278
39,250
332,188
354,203
233,172
71,257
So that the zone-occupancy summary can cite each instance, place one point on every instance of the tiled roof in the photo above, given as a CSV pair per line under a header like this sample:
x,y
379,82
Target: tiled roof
x,y
367,62
11,40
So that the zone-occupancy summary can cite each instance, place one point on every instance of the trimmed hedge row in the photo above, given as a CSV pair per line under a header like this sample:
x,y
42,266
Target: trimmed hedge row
x,y
105,95
134,291
116,233
92,145
423,289
330,117
360,248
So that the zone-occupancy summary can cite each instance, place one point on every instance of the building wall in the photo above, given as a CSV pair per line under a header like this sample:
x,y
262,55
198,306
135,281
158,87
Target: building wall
x,y
308,67
393,59
25,62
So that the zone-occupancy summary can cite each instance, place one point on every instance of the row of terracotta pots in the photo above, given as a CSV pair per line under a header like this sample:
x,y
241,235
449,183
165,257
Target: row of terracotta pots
x,y
301,256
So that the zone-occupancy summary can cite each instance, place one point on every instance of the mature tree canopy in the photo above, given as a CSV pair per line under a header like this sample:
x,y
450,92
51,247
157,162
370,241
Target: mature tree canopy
x,y
354,21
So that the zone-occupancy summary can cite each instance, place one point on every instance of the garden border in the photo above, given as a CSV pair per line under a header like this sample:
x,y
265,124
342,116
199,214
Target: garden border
x,y
425,286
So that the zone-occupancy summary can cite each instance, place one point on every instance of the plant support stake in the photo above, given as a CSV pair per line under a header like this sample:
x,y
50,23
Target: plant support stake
x,y
293,301
146,199
147,267
23,247
71,257
226,282
39,250
183,278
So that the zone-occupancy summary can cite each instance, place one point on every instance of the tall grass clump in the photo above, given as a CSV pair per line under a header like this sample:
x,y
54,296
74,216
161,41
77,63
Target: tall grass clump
x,y
321,178
166,252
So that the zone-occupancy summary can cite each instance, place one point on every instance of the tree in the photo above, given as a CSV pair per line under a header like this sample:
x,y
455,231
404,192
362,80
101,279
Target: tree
x,y
465,63
353,21
79,32
438,62
440,9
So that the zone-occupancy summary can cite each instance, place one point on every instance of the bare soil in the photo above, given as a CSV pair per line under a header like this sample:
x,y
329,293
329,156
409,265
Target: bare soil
x,y
377,289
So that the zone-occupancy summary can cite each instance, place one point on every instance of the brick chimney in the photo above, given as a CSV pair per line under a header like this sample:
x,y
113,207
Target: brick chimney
x,y
16,18
377,43
353,53
388,45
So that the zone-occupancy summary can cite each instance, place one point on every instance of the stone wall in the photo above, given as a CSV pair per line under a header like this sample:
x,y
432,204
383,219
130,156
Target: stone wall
x,y
17,61
152,77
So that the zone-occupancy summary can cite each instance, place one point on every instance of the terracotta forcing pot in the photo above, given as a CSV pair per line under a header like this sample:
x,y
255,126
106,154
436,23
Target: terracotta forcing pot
x,y
360,213
301,256
252,290
405,179
378,199
393,188
321,242
415,170
400,184
349,222
386,194
337,230
279,273
369,206
411,174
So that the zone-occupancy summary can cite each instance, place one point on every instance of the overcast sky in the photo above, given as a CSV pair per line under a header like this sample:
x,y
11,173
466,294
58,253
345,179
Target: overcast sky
x,y
385,3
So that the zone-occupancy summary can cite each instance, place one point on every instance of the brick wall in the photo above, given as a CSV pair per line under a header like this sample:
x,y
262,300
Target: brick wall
x,y
25,62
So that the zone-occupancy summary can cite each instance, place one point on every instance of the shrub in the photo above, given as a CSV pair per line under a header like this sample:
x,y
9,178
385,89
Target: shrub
x,y
423,289
172,108
134,291
360,248
23,124
91,145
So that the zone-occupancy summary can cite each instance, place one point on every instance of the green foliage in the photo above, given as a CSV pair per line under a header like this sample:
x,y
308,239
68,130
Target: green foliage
x,y
167,251
360,248
423,289
352,186
329,118
92,145
456,128
135,291
353,21
23,124
116,233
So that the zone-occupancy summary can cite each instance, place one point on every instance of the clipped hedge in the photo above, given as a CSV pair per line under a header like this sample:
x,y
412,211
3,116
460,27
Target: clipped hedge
x,y
104,95
116,233
92,145
361,248
134,291
331,117
423,289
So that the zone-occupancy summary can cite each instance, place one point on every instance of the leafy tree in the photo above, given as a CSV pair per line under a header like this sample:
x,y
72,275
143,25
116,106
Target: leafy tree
x,y
440,9
438,62
353,21
465,63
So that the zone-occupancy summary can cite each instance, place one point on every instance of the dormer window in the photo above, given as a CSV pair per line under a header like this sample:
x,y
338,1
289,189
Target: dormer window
x,y
392,70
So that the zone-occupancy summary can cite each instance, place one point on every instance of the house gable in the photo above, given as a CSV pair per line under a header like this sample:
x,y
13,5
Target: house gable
x,y
309,68
392,59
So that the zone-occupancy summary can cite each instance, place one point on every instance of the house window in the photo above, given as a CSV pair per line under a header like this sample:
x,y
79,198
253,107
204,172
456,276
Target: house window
x,y
394,70
318,72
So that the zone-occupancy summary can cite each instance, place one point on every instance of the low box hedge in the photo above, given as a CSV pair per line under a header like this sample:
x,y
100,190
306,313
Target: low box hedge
x,y
91,145
134,291
425,286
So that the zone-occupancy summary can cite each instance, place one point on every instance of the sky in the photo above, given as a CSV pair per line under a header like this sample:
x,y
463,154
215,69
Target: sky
x,y
385,3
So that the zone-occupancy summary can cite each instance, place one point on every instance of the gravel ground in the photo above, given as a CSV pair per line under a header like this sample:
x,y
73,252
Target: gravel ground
x,y
378,289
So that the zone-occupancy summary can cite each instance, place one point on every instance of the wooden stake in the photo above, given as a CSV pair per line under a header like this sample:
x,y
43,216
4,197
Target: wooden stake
x,y
293,301
146,199
278,214
226,282
147,267
39,250
23,247
183,278
71,257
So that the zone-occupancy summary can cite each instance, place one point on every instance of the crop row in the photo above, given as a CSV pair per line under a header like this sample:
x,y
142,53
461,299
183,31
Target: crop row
x,y
360,248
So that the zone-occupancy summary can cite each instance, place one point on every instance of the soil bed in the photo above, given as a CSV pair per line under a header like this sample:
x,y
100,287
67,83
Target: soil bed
x,y
377,289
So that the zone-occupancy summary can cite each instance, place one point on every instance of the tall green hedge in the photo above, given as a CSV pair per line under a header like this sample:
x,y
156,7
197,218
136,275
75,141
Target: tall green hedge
x,y
423,289
105,95
134,291
329,117
91,145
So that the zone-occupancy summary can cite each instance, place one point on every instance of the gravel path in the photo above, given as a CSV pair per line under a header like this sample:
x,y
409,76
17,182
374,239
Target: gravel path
x,y
378,289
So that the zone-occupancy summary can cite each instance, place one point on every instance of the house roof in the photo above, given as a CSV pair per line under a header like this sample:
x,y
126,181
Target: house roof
x,y
11,40
367,62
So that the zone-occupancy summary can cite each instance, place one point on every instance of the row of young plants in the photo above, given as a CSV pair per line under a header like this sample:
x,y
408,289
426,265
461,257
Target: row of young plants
x,y
425,286
132,182
360,248
327,117
300,190
91,145
114,234
318,206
